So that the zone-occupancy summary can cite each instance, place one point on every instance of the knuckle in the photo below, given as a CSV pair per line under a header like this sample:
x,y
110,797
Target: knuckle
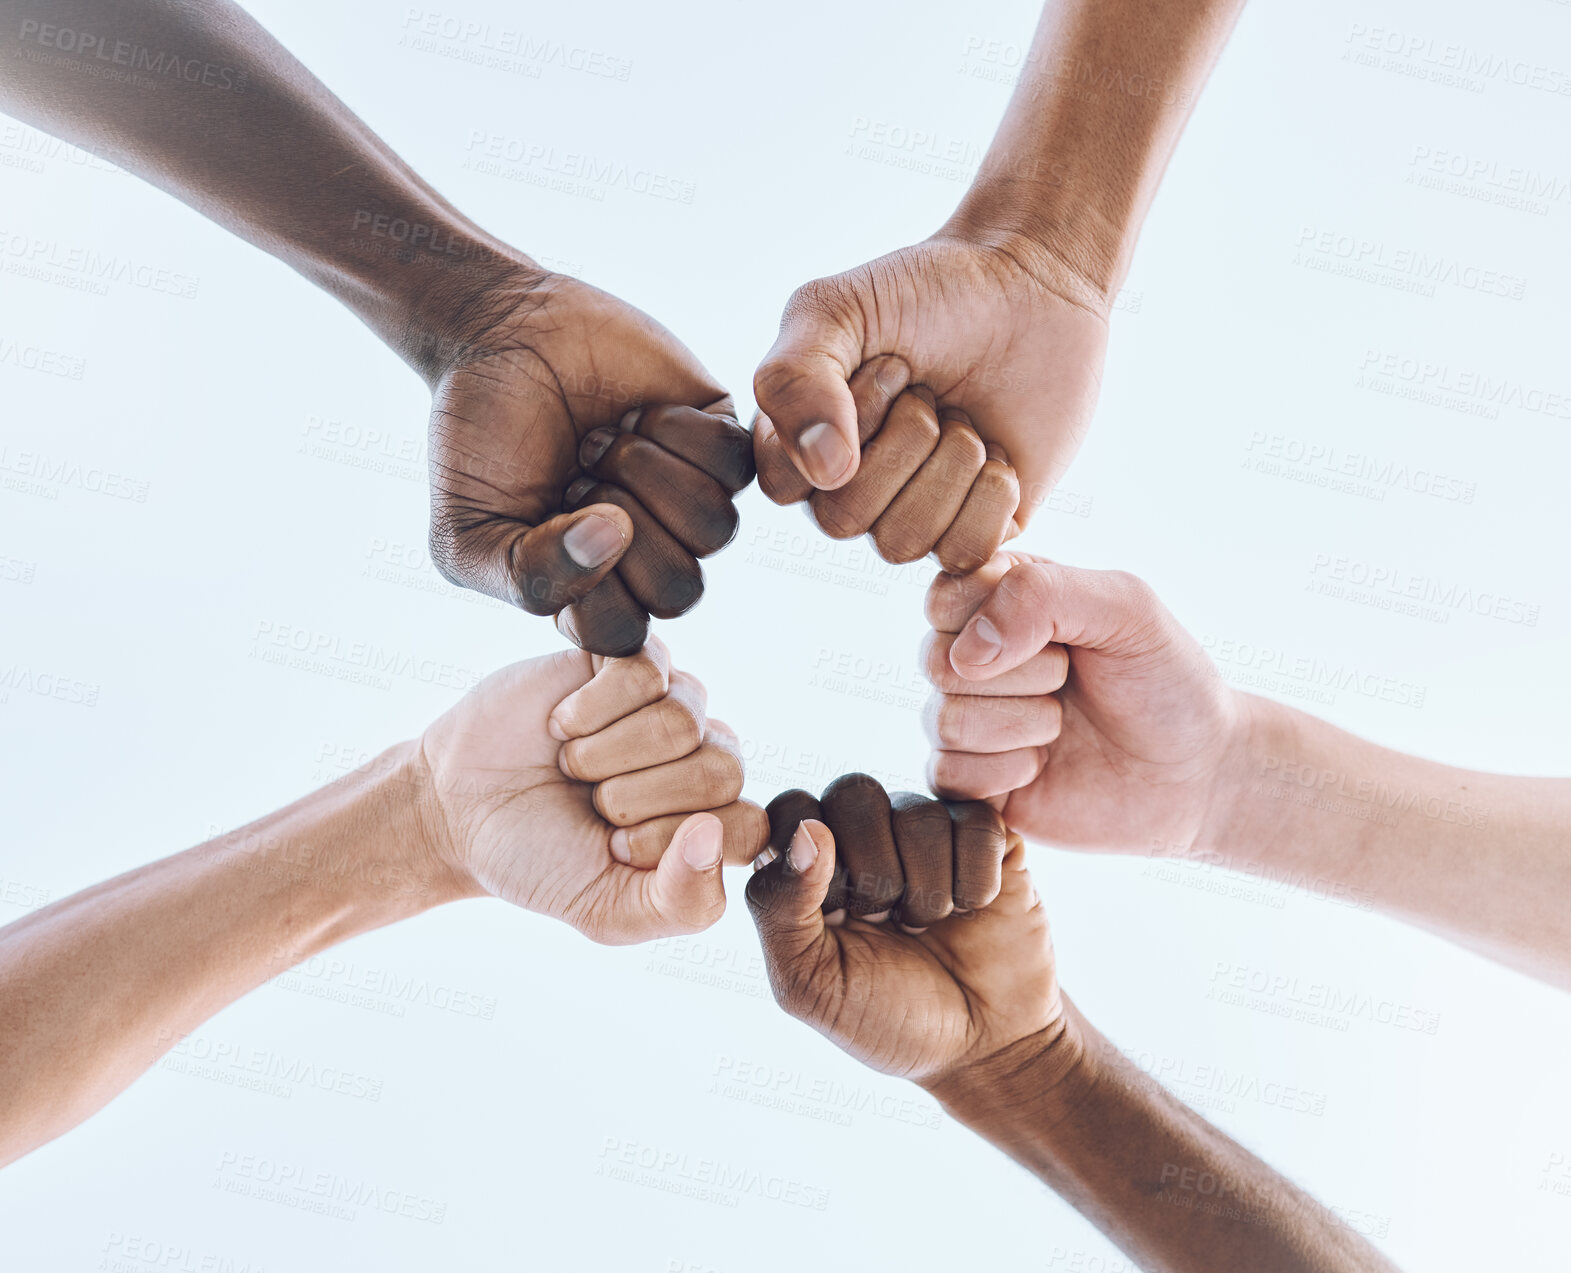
x,y
678,728
611,799
571,759
1052,719
722,772
953,720
1056,658
645,678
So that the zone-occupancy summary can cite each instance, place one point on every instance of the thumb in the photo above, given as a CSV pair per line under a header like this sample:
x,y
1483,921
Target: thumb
x,y
684,893
552,565
802,387
1037,603
786,898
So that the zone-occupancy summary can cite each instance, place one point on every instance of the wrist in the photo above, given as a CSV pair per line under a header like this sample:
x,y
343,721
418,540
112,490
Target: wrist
x,y
1073,252
1037,1080
426,279
1262,745
400,858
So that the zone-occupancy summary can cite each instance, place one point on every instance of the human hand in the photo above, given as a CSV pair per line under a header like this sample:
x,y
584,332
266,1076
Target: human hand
x,y
1076,703
592,790
1007,344
914,1004
582,460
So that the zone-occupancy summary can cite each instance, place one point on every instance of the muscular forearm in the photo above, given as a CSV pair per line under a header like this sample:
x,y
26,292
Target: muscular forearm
x,y
199,99
1171,1190
96,987
1104,94
1484,859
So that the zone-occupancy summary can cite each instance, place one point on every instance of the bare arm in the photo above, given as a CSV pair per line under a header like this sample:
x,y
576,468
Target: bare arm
x,y
1103,96
564,791
197,98
1483,859
1141,747
1000,318
94,989
969,1006
1170,1189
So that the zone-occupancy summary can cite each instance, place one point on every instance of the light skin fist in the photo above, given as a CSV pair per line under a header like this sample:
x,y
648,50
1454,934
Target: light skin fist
x,y
932,397
1075,703
582,461
920,1006
592,790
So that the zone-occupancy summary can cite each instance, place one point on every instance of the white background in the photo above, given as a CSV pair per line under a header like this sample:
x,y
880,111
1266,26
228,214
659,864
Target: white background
x,y
1439,1142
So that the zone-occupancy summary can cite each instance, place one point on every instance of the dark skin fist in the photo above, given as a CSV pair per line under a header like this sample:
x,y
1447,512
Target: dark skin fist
x,y
965,968
582,461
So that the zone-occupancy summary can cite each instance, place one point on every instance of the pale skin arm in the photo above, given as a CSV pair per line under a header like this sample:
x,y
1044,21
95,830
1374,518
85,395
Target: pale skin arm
x,y
94,989
1144,749
604,799
1482,859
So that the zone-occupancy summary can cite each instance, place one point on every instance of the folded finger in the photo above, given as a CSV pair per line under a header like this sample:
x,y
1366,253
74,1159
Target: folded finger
x,y
971,722
889,460
1043,673
715,443
856,809
660,573
924,840
920,515
980,842
690,504
709,778
963,775
608,621
665,730
952,598
618,688
985,520
746,832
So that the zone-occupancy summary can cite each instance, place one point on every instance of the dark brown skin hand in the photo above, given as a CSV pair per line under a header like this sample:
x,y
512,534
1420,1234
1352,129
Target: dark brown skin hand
x,y
538,380
582,460
971,1009
943,984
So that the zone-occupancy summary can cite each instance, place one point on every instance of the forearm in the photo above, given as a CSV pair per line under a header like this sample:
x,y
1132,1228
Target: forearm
x,y
96,987
197,98
1104,94
1484,859
1171,1190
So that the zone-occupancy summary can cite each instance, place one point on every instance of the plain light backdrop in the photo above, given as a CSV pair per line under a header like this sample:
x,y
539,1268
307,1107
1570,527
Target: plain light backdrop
x,y
274,455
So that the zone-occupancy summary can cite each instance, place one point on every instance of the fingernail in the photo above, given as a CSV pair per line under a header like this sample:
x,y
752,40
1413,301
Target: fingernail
x,y
554,728
630,420
979,644
574,494
592,541
764,859
621,845
877,917
835,918
594,446
704,845
825,454
914,932
892,375
803,851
